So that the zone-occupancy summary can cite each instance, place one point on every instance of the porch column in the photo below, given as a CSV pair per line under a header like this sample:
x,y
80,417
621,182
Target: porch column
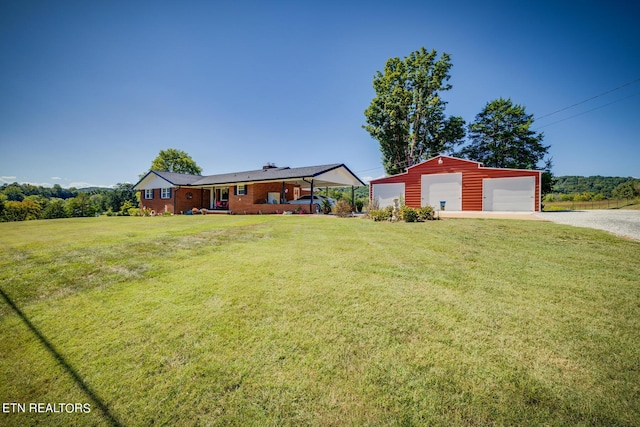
x,y
311,200
282,193
212,202
175,194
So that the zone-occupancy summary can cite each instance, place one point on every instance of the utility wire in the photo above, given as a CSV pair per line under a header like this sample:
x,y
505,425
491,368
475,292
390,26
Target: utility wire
x,y
588,111
589,99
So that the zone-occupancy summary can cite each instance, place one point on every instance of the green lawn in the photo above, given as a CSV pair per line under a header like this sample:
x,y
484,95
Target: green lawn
x,y
298,320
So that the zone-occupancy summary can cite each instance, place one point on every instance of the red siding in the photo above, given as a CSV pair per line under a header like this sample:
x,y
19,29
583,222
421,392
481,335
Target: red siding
x,y
472,175
255,201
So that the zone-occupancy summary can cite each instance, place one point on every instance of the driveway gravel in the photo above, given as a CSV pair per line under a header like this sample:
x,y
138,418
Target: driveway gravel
x,y
621,222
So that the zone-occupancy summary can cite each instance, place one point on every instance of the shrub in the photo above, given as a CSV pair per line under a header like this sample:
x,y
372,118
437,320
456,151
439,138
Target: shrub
x,y
425,213
373,205
55,209
408,214
326,206
380,214
342,208
21,211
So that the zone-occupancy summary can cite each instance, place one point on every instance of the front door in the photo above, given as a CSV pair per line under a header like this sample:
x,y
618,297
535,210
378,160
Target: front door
x,y
222,198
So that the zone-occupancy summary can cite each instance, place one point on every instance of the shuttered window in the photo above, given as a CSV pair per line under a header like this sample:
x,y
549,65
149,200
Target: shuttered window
x,y
165,193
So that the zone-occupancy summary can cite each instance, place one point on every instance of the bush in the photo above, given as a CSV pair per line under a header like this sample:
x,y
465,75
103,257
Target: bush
x,y
342,208
20,211
55,209
405,213
380,214
408,214
326,206
425,213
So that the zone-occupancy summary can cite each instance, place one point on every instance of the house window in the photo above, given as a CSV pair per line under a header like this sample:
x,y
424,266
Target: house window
x,y
165,193
241,190
148,193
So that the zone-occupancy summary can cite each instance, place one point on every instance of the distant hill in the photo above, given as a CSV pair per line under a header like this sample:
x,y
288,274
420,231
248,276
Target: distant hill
x,y
588,184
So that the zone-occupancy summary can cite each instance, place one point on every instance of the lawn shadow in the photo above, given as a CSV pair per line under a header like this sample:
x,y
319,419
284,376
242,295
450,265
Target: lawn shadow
x,y
63,362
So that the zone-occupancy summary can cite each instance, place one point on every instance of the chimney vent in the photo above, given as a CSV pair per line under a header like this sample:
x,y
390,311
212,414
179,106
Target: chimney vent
x,y
268,166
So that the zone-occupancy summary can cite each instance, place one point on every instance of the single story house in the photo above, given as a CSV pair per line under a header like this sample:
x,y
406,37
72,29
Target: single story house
x,y
461,185
266,190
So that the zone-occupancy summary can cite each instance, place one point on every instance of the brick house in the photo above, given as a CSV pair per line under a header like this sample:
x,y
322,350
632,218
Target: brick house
x,y
266,190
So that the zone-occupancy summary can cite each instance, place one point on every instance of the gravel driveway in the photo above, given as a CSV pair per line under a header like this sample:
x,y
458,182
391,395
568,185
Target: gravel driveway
x,y
621,222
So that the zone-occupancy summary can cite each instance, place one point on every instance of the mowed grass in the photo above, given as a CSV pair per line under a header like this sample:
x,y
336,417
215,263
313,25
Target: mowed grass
x,y
290,320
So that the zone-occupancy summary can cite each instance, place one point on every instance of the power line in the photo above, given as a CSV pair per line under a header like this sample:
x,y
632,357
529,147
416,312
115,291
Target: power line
x,y
589,99
588,111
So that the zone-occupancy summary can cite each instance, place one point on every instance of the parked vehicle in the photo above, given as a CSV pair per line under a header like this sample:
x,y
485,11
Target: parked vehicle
x,y
318,202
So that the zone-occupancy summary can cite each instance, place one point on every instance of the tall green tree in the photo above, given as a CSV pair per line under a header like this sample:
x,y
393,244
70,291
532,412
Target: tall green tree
x,y
627,190
501,137
173,160
79,206
54,209
407,114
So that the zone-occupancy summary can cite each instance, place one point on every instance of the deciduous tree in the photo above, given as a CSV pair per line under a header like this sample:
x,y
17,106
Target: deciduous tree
x,y
173,160
407,114
501,137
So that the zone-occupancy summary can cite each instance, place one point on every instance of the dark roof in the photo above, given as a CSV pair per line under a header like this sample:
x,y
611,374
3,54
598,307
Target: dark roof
x,y
265,174
177,178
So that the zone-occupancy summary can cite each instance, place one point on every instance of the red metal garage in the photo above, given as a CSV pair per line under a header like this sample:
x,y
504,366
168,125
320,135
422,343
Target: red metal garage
x,y
464,185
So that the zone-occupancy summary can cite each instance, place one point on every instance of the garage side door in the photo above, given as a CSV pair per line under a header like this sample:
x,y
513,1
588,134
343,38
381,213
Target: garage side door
x,y
440,187
509,194
385,193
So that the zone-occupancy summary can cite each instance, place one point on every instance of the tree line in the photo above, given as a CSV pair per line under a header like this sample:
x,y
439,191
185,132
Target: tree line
x,y
587,188
20,202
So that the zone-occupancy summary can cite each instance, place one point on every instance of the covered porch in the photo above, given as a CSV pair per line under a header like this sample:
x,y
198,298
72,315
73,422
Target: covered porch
x,y
271,195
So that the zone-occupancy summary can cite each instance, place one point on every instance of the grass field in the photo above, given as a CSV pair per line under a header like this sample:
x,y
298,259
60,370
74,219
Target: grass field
x,y
633,204
297,320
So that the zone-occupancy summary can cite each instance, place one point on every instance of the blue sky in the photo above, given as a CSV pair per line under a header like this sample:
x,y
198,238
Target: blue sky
x,y
91,91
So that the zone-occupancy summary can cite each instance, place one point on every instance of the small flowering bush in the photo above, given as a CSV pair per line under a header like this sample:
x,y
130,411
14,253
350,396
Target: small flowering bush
x,y
342,208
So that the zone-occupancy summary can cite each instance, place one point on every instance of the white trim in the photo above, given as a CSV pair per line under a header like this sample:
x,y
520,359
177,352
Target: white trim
x,y
152,181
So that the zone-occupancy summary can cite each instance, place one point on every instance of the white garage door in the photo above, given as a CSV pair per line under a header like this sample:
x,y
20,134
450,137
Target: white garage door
x,y
385,193
509,194
442,187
